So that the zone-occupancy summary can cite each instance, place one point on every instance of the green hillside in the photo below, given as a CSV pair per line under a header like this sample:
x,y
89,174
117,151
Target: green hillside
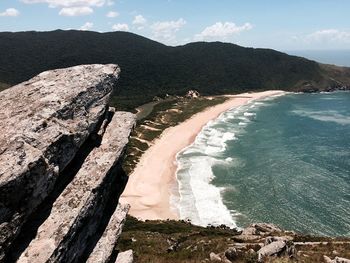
x,y
152,69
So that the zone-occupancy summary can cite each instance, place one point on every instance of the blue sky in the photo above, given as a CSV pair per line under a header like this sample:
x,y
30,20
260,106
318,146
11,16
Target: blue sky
x,y
278,24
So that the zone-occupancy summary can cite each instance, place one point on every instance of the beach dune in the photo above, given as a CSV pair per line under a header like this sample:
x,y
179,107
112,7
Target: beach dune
x,y
153,180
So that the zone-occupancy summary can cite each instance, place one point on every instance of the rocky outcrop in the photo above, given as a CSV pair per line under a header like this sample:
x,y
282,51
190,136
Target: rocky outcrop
x,y
256,232
104,248
76,213
336,260
275,248
125,257
43,122
46,124
257,243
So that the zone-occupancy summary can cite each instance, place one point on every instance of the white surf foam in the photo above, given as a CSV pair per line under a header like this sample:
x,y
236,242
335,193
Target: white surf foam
x,y
199,200
248,114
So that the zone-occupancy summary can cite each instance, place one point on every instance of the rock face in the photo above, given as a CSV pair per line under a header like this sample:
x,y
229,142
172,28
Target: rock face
x,y
104,248
44,122
125,257
76,213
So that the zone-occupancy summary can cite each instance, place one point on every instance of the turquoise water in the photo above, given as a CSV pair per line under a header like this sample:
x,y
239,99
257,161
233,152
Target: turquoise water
x,y
282,160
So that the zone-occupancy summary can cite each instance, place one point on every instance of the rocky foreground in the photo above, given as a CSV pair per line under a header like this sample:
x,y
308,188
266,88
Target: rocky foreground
x,y
61,146
179,241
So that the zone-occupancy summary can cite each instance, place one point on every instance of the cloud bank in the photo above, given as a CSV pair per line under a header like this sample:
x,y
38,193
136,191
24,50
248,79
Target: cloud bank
x,y
222,30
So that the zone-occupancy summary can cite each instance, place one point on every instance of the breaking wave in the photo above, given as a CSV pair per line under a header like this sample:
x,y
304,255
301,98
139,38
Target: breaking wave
x,y
199,200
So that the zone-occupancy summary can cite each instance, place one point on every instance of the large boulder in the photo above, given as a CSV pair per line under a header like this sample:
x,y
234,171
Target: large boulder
x,y
272,249
43,123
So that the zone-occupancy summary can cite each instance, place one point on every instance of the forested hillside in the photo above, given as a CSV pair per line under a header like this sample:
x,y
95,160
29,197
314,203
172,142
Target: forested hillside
x,y
152,69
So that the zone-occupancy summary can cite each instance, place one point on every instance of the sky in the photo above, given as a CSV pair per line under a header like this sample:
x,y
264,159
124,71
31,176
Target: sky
x,y
278,24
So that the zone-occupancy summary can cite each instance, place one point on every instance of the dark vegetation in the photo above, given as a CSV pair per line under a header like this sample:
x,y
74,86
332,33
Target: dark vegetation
x,y
152,69
151,241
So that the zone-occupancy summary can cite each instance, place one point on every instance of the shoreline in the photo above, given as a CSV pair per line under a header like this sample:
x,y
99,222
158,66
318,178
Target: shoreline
x,y
153,180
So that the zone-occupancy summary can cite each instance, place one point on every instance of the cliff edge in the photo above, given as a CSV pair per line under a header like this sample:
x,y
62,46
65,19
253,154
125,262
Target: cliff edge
x,y
57,127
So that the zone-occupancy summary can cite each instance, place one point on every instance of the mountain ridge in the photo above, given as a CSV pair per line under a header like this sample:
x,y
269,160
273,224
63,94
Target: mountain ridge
x,y
151,69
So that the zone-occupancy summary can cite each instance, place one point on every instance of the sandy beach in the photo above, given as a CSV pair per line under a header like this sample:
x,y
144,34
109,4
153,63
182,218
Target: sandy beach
x,y
151,184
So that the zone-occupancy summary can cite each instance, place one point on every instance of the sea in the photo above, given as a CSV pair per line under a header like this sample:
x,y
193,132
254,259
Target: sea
x,y
283,160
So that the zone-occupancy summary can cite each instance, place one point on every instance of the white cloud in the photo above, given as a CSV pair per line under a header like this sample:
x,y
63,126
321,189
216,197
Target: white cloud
x,y
328,36
222,30
112,14
76,11
321,39
166,30
10,12
71,7
68,3
120,27
87,26
139,21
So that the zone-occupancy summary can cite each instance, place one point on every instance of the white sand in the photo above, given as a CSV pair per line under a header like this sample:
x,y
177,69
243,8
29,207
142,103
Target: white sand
x,y
150,185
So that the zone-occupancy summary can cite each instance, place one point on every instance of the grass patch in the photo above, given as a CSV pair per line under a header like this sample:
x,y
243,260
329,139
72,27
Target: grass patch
x,y
160,116
151,240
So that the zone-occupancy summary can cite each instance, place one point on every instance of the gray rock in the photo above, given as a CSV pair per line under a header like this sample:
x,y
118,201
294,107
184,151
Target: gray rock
x,y
336,260
76,213
214,257
249,231
231,253
271,249
341,260
256,232
43,122
104,248
173,244
125,257
269,240
266,229
327,259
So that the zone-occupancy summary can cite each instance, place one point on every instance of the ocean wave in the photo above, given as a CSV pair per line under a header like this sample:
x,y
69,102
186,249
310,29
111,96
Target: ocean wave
x,y
200,201
327,116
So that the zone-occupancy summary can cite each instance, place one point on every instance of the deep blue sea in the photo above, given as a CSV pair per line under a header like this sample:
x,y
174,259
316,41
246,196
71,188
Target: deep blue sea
x,y
283,160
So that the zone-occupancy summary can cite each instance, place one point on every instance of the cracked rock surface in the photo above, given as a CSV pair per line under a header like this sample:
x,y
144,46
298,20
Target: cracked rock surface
x,y
43,123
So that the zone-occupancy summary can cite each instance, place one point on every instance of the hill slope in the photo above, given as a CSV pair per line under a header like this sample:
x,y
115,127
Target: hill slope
x,y
152,69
